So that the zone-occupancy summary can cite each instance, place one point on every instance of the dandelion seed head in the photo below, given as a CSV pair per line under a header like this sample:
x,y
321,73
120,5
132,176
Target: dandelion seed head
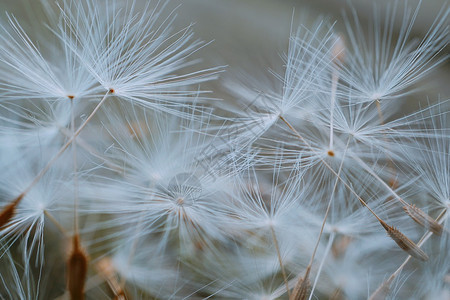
x,y
184,189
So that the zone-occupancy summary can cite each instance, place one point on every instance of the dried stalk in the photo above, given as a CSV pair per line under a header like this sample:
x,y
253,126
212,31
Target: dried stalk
x,y
107,271
382,291
280,260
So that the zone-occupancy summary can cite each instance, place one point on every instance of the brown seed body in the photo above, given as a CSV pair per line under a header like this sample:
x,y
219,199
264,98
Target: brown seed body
x,y
405,243
9,211
302,289
121,296
341,245
77,270
423,219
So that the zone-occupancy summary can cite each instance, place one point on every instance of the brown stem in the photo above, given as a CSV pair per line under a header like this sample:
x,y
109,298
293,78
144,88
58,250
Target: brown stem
x,y
280,261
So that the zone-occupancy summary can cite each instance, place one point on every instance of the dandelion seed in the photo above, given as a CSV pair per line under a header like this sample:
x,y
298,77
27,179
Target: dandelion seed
x,y
308,64
171,184
133,53
373,71
33,75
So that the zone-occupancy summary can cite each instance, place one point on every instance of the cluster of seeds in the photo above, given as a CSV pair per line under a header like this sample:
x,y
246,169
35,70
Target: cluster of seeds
x,y
123,179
